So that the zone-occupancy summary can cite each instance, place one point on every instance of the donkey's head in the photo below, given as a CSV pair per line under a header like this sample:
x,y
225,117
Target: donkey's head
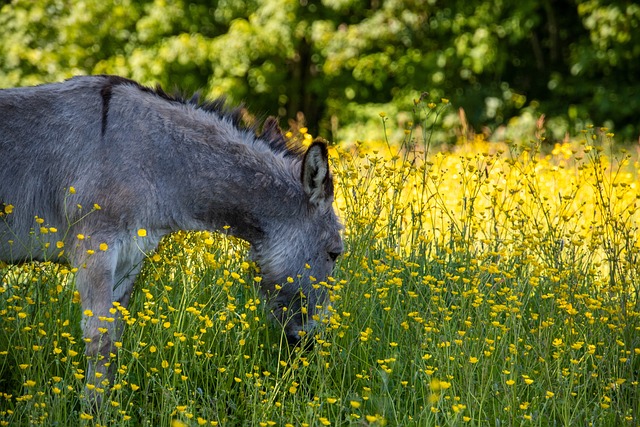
x,y
299,250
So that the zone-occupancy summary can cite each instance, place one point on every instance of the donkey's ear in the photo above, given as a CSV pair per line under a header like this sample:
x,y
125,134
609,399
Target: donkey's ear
x,y
316,178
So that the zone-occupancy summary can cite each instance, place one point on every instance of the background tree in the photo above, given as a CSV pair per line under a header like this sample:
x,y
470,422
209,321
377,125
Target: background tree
x,y
338,60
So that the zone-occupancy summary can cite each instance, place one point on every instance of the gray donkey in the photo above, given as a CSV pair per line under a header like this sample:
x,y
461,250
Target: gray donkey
x,y
146,160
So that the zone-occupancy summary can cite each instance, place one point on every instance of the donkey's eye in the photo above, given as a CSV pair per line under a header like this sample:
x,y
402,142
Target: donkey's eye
x,y
334,255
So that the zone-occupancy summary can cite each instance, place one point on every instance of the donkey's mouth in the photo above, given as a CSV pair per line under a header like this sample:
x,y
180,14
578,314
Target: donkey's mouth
x,y
305,343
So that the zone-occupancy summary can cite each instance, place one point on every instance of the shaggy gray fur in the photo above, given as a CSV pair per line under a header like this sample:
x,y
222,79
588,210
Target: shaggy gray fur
x,y
158,163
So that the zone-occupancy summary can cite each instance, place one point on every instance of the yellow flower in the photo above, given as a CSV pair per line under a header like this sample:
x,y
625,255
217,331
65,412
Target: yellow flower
x,y
142,232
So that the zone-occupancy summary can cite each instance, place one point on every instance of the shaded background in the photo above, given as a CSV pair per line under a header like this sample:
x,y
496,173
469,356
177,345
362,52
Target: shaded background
x,y
343,61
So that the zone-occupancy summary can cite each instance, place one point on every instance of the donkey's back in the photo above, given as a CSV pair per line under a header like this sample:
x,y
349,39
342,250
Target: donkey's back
x,y
47,136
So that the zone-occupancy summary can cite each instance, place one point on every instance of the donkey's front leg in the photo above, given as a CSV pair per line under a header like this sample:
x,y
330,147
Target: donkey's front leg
x,y
101,321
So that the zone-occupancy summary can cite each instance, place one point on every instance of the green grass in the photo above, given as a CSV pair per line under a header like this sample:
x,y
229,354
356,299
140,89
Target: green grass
x,y
490,285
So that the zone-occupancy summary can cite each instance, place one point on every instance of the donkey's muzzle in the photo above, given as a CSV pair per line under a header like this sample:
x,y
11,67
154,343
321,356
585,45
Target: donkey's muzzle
x,y
303,343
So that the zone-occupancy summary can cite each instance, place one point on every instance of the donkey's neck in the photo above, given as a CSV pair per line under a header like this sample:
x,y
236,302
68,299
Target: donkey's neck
x,y
237,184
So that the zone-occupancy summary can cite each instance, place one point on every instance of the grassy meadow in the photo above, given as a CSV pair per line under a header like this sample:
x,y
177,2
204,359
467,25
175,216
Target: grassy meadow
x,y
486,284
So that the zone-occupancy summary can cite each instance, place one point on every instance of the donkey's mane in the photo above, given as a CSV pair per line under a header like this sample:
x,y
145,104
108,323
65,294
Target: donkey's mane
x,y
270,134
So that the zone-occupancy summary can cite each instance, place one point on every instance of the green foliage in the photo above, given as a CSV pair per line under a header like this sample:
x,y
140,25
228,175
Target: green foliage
x,y
574,60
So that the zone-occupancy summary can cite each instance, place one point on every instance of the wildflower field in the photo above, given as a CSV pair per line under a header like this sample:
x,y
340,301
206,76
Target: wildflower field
x,y
482,284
